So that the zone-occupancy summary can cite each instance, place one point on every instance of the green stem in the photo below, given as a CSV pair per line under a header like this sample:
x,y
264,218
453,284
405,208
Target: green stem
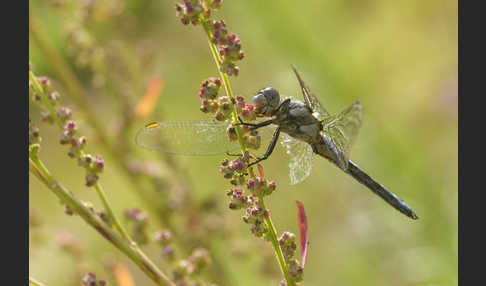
x,y
34,282
276,246
99,189
44,99
134,253
75,91
227,87
111,214
224,76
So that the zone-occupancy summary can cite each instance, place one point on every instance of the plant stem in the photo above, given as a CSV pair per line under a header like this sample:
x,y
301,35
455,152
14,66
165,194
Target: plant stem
x,y
111,214
34,282
276,246
224,76
99,189
227,87
68,78
43,97
37,168
75,91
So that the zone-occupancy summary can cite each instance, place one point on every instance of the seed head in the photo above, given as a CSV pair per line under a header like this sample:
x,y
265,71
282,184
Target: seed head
x,y
229,68
90,280
136,214
85,160
219,32
191,11
259,228
70,126
238,199
219,116
225,169
260,186
248,112
53,97
77,145
91,179
253,140
209,88
163,237
34,134
44,81
66,137
295,270
200,258
237,165
231,132
97,164
213,4
182,269
238,179
240,104
64,113
288,245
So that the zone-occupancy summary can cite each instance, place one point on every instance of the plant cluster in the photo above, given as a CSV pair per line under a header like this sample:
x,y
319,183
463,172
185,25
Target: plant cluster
x,y
105,221
247,190
227,49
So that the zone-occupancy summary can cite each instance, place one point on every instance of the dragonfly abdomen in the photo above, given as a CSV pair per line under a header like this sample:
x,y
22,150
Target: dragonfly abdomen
x,y
380,190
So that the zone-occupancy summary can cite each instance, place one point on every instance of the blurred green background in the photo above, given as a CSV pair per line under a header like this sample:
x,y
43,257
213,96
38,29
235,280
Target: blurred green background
x,y
398,57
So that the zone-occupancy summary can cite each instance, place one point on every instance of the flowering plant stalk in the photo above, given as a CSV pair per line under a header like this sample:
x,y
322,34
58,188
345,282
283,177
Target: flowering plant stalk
x,y
137,170
226,49
69,128
93,164
37,168
77,94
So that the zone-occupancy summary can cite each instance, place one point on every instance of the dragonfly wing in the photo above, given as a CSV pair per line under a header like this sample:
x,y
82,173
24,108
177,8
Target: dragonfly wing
x,y
341,131
310,99
192,137
301,155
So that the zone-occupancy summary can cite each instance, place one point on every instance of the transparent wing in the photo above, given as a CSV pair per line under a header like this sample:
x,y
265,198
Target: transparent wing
x,y
203,137
301,155
342,129
191,137
310,99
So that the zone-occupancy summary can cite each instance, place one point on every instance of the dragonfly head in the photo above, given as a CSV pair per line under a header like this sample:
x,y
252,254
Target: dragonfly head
x,y
266,101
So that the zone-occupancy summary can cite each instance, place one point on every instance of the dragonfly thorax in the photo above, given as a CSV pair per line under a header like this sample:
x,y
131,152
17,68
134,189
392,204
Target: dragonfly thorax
x,y
296,119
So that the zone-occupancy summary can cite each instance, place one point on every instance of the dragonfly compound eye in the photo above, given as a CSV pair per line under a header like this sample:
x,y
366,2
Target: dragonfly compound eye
x,y
266,101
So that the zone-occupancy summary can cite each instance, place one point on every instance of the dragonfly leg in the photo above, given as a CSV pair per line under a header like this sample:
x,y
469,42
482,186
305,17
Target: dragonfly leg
x,y
231,154
255,125
270,148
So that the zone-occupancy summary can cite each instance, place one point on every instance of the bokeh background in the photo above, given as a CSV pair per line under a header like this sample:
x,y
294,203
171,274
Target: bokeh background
x,y
398,57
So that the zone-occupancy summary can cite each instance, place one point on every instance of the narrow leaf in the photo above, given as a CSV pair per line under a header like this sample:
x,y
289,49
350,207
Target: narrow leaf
x,y
304,242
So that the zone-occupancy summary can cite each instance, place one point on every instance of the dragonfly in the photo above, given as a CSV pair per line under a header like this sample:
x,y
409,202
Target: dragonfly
x,y
306,127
